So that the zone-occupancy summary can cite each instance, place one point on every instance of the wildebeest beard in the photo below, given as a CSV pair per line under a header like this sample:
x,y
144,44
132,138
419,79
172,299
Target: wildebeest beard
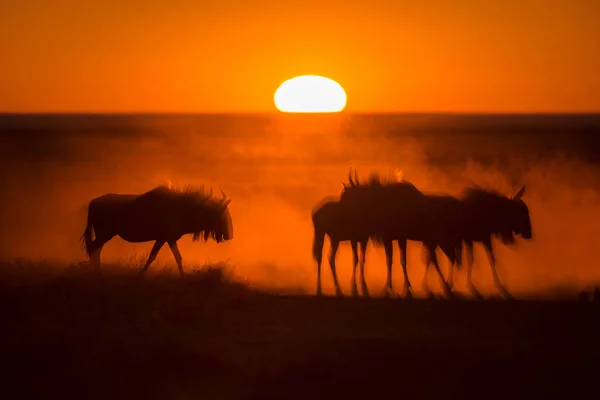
x,y
218,229
507,237
210,220
205,234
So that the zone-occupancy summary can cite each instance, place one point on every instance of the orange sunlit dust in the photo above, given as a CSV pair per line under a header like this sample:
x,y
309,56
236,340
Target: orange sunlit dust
x,y
310,94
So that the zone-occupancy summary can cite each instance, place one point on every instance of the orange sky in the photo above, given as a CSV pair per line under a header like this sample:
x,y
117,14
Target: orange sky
x,y
230,56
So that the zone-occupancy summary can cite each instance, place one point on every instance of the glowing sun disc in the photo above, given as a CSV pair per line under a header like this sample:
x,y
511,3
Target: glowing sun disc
x,y
310,94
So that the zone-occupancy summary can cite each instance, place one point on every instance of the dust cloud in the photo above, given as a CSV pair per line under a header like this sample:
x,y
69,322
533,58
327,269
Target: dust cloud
x,y
275,170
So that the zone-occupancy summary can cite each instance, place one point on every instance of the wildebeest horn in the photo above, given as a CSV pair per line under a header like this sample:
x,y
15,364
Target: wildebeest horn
x,y
519,193
209,195
350,177
224,202
356,177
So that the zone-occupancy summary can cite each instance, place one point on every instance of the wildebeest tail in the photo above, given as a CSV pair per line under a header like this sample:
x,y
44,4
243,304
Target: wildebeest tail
x,y
86,238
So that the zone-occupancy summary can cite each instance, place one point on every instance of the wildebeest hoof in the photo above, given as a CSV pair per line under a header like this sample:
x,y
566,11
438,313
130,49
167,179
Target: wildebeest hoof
x,y
507,296
475,293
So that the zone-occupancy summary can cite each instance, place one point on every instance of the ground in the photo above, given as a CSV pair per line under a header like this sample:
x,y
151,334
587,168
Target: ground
x,y
67,332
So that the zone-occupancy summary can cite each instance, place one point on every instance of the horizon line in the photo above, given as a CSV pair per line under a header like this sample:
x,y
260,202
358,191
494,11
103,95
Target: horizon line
x,y
229,113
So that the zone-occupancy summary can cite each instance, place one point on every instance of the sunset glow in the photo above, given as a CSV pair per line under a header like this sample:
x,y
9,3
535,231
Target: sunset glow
x,y
231,56
310,94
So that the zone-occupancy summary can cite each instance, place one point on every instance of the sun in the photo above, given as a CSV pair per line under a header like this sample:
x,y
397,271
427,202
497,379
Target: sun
x,y
310,94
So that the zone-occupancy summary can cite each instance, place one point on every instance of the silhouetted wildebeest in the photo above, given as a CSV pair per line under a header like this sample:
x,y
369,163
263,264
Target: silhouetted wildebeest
x,y
162,215
336,220
490,214
438,221
398,211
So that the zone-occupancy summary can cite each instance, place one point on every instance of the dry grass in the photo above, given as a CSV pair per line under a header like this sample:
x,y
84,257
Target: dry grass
x,y
69,331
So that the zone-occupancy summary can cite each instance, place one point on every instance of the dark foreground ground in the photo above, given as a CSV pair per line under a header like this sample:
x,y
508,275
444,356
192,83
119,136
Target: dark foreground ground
x,y
72,334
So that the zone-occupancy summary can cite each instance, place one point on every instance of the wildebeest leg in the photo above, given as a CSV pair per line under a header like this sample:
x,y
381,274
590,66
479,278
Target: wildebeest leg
x,y
354,263
319,277
487,244
434,261
388,246
318,256
427,255
95,256
177,255
451,260
469,253
334,248
362,260
402,244
453,254
153,253
96,249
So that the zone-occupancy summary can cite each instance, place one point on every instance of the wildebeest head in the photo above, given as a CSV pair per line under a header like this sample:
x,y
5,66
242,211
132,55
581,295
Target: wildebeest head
x,y
353,191
519,219
211,218
224,225
502,215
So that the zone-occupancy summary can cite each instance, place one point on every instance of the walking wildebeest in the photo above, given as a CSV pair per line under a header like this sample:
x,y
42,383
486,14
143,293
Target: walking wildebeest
x,y
162,215
490,214
398,211
439,221
335,220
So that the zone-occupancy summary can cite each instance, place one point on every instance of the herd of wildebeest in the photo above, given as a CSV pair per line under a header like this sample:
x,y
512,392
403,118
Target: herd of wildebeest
x,y
383,210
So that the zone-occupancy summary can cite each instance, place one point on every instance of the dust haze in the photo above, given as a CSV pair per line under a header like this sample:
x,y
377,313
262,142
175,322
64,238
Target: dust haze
x,y
276,170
